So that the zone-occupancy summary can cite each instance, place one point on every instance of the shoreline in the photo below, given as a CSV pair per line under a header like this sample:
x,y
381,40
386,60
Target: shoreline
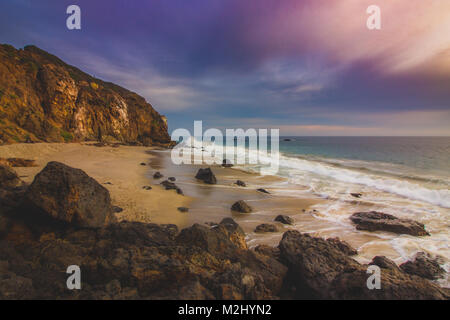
x,y
119,169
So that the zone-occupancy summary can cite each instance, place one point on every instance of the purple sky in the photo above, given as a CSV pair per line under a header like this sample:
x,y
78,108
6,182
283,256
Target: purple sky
x,y
307,67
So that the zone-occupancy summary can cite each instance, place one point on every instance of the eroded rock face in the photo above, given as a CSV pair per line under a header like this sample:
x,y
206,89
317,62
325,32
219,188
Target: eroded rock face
x,y
378,221
70,195
44,99
320,270
423,266
343,246
206,175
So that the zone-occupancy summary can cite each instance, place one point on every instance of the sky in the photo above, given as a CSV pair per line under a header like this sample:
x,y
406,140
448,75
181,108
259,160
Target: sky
x,y
307,67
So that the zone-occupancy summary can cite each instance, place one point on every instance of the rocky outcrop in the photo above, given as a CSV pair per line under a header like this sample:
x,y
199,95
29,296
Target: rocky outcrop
x,y
131,260
424,266
70,195
241,206
378,221
44,99
206,175
320,270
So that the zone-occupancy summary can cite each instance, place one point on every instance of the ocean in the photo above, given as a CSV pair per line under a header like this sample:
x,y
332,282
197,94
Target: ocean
x,y
408,177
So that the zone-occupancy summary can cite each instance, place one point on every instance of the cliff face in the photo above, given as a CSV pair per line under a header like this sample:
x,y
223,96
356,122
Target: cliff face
x,y
44,99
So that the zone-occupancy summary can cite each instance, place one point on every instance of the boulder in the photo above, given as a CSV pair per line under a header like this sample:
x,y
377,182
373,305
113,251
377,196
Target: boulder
x,y
226,163
424,266
157,175
241,206
240,183
320,270
206,175
266,227
284,219
378,221
70,195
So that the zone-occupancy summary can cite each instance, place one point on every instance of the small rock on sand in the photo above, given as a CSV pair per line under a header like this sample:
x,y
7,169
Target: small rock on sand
x,y
266,227
206,175
241,206
284,219
157,175
240,183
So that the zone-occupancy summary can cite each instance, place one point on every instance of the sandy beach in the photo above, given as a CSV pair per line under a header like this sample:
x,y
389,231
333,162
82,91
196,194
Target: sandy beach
x,y
119,169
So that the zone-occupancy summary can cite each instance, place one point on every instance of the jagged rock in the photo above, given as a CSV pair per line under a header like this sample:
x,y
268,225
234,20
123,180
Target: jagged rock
x,y
424,266
378,221
241,206
70,195
183,209
206,175
240,183
343,246
65,104
320,270
157,175
226,163
171,186
266,227
284,219
263,190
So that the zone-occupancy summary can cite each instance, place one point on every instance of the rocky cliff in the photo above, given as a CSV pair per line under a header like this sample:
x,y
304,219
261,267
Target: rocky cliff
x,y
44,99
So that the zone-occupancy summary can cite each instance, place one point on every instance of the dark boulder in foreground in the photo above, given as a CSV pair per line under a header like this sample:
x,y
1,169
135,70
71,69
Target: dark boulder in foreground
x,y
320,270
378,221
206,175
241,206
266,227
284,219
423,266
70,195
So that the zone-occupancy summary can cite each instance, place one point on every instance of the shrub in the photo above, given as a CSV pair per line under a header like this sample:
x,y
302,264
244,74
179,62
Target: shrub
x,y
67,136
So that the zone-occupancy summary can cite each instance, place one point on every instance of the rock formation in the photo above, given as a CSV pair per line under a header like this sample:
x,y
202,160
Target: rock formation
x,y
44,99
